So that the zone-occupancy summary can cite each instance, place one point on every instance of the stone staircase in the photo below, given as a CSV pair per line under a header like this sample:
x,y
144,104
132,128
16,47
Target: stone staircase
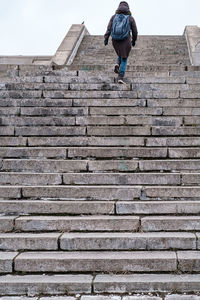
x,y
99,182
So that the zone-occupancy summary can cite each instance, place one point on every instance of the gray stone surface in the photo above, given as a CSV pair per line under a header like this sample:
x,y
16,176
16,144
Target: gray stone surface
x,y
44,285
158,207
101,297
78,192
147,283
77,223
10,192
30,179
34,153
117,130
29,241
182,297
6,261
127,241
173,142
169,165
173,192
57,207
6,223
184,152
188,261
121,179
114,165
170,223
141,261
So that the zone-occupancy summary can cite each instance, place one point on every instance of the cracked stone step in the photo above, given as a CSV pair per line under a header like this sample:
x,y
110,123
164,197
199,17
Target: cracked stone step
x,y
123,179
33,285
121,284
29,241
170,223
78,223
127,241
6,261
135,261
54,207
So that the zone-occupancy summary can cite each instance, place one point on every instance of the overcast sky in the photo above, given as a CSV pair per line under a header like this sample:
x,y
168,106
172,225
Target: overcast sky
x,y
37,27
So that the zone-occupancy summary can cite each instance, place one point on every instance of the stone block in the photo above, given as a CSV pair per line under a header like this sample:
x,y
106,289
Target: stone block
x,y
32,285
105,152
190,94
54,111
29,179
115,141
99,87
109,111
20,94
158,207
178,131
170,223
29,241
77,223
82,193
155,121
57,141
181,111
113,165
172,192
173,142
57,207
12,141
5,131
146,283
10,192
184,152
189,261
169,165
182,297
166,94
167,104
141,261
191,179
6,111
6,261
41,166
121,179
192,120
118,130
100,297
6,223
34,153
127,241
37,121
50,131
98,120
109,102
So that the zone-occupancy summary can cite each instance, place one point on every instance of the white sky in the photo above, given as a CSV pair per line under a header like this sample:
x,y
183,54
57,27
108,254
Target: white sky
x,y
37,27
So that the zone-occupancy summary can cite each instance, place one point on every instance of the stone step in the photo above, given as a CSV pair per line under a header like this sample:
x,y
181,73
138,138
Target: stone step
x,y
79,223
126,241
169,165
31,179
28,153
97,241
53,131
94,261
173,142
126,179
6,223
171,192
29,241
57,284
176,208
171,223
46,166
165,283
6,261
51,207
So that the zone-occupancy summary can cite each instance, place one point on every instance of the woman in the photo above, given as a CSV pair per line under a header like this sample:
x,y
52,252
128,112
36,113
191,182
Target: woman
x,y
122,47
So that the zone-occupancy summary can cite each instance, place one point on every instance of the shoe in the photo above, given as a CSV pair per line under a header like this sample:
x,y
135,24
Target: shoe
x,y
116,69
120,79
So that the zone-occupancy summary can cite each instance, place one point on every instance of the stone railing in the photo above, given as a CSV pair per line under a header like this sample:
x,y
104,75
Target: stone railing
x,y
192,34
69,46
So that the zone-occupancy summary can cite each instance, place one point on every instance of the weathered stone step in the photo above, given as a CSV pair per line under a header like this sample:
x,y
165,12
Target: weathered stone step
x,y
169,165
172,192
31,179
79,223
173,142
76,192
178,131
106,152
53,131
44,166
84,141
171,223
125,179
170,104
32,285
125,261
6,261
148,283
50,207
35,153
29,241
126,241
117,130
158,207
54,111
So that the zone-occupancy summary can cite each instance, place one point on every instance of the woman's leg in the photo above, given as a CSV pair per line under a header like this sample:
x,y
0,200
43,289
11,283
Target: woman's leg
x,y
123,66
116,69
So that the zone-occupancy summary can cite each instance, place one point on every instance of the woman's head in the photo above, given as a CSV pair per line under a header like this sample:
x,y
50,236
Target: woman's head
x,y
123,8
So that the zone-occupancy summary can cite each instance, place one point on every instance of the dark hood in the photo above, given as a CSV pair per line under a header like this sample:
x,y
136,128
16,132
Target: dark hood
x,y
123,8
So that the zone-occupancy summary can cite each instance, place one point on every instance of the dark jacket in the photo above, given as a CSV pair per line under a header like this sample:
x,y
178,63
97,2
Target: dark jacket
x,y
123,48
